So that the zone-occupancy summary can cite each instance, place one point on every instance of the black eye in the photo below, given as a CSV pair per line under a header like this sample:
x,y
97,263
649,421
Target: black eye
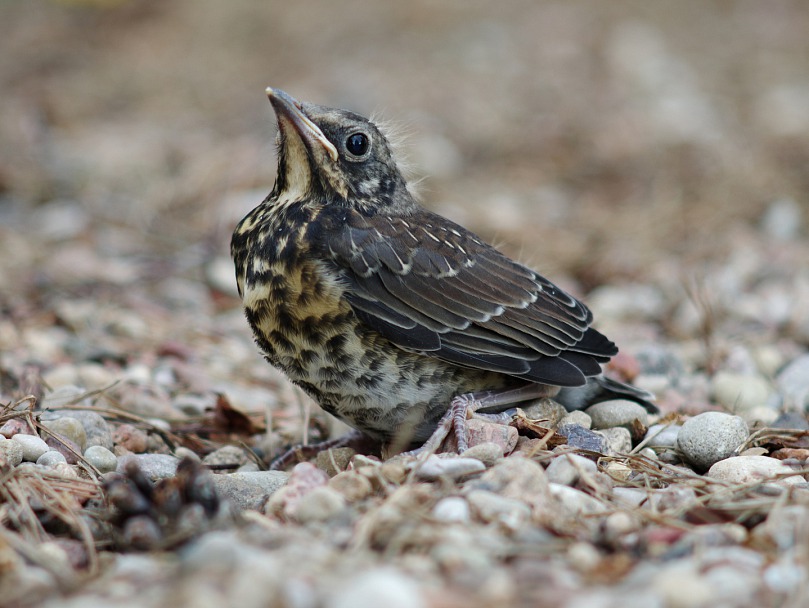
x,y
357,144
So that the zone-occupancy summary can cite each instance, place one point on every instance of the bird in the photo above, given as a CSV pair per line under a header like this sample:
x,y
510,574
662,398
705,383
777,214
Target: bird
x,y
397,320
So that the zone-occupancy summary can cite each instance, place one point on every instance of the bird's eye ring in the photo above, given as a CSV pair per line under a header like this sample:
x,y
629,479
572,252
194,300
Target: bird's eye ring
x,y
357,144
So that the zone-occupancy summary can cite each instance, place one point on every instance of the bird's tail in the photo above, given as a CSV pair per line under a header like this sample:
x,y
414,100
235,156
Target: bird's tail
x,y
600,388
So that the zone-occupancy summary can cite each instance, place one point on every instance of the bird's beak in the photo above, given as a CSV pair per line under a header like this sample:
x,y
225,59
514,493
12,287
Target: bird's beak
x,y
288,109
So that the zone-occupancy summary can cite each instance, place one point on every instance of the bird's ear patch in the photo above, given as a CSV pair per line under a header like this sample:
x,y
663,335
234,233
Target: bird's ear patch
x,y
398,133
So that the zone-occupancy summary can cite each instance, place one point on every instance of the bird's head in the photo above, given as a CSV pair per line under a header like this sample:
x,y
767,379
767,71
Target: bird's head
x,y
328,156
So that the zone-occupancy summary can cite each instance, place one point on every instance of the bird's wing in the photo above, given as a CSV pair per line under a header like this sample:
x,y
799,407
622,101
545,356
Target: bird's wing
x,y
430,286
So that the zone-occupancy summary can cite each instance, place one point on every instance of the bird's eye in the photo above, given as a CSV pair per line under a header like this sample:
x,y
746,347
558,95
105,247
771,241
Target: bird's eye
x,y
357,144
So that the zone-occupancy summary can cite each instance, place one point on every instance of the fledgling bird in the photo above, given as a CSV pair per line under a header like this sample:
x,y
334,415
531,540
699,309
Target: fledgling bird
x,y
395,319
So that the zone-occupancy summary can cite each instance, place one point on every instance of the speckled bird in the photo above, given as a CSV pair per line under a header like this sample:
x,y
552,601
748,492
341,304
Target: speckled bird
x,y
392,318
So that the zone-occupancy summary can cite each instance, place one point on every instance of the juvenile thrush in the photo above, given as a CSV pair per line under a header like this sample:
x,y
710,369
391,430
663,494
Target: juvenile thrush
x,y
395,319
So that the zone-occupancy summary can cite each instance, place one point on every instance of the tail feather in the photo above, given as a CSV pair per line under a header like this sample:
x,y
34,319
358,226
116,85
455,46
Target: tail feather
x,y
600,388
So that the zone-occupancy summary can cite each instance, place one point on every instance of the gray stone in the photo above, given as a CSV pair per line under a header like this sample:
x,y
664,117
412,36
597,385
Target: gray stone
x,y
11,452
490,507
379,587
96,429
249,490
566,469
582,438
51,458
710,437
101,458
576,503
154,466
793,384
740,392
662,436
576,417
545,409
226,455
618,413
32,446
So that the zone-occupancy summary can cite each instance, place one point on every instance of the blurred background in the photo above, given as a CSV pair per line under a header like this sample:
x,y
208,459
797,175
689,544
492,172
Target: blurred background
x,y
619,143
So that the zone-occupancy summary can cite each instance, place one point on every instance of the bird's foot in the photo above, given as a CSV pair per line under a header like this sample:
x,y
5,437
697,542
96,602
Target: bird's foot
x,y
301,452
466,406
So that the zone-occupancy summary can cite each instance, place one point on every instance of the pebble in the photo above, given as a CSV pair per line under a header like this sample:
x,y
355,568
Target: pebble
x,y
751,469
335,460
618,413
379,587
618,440
583,438
488,452
352,485
511,513
576,503
11,452
740,392
321,504
96,429
793,384
32,446
566,469
51,458
710,437
69,428
229,455
518,478
576,417
452,509
130,438
479,431
784,528
627,301
13,427
303,478
249,490
451,468
545,409
67,394
154,466
662,436
101,458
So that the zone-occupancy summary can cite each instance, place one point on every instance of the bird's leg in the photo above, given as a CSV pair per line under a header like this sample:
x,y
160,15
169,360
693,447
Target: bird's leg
x,y
299,452
464,406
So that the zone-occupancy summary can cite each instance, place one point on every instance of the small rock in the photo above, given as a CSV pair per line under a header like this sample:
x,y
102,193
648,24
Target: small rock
x,y
96,429
566,469
488,452
452,468
153,466
183,452
69,428
379,587
618,413
11,452
490,507
335,460
629,301
751,469
227,455
629,497
582,438
791,420
793,384
51,458
352,485
304,478
618,440
545,409
576,503
710,437
674,498
479,431
67,447
576,417
518,478
739,392
662,436
249,490
32,446
101,458
321,504
782,220
68,394
452,509
15,426
130,438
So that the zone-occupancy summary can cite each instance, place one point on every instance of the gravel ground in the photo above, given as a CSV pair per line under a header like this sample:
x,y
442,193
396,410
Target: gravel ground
x,y
651,158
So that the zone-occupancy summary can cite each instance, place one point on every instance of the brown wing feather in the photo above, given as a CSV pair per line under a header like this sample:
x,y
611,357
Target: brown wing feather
x,y
429,285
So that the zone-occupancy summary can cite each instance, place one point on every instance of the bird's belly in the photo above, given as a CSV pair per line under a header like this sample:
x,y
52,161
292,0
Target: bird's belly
x,y
307,329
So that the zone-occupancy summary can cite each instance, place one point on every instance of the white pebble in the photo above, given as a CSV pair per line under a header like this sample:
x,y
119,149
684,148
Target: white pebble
x,y
617,412
379,587
52,458
451,509
32,446
751,469
453,468
740,392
